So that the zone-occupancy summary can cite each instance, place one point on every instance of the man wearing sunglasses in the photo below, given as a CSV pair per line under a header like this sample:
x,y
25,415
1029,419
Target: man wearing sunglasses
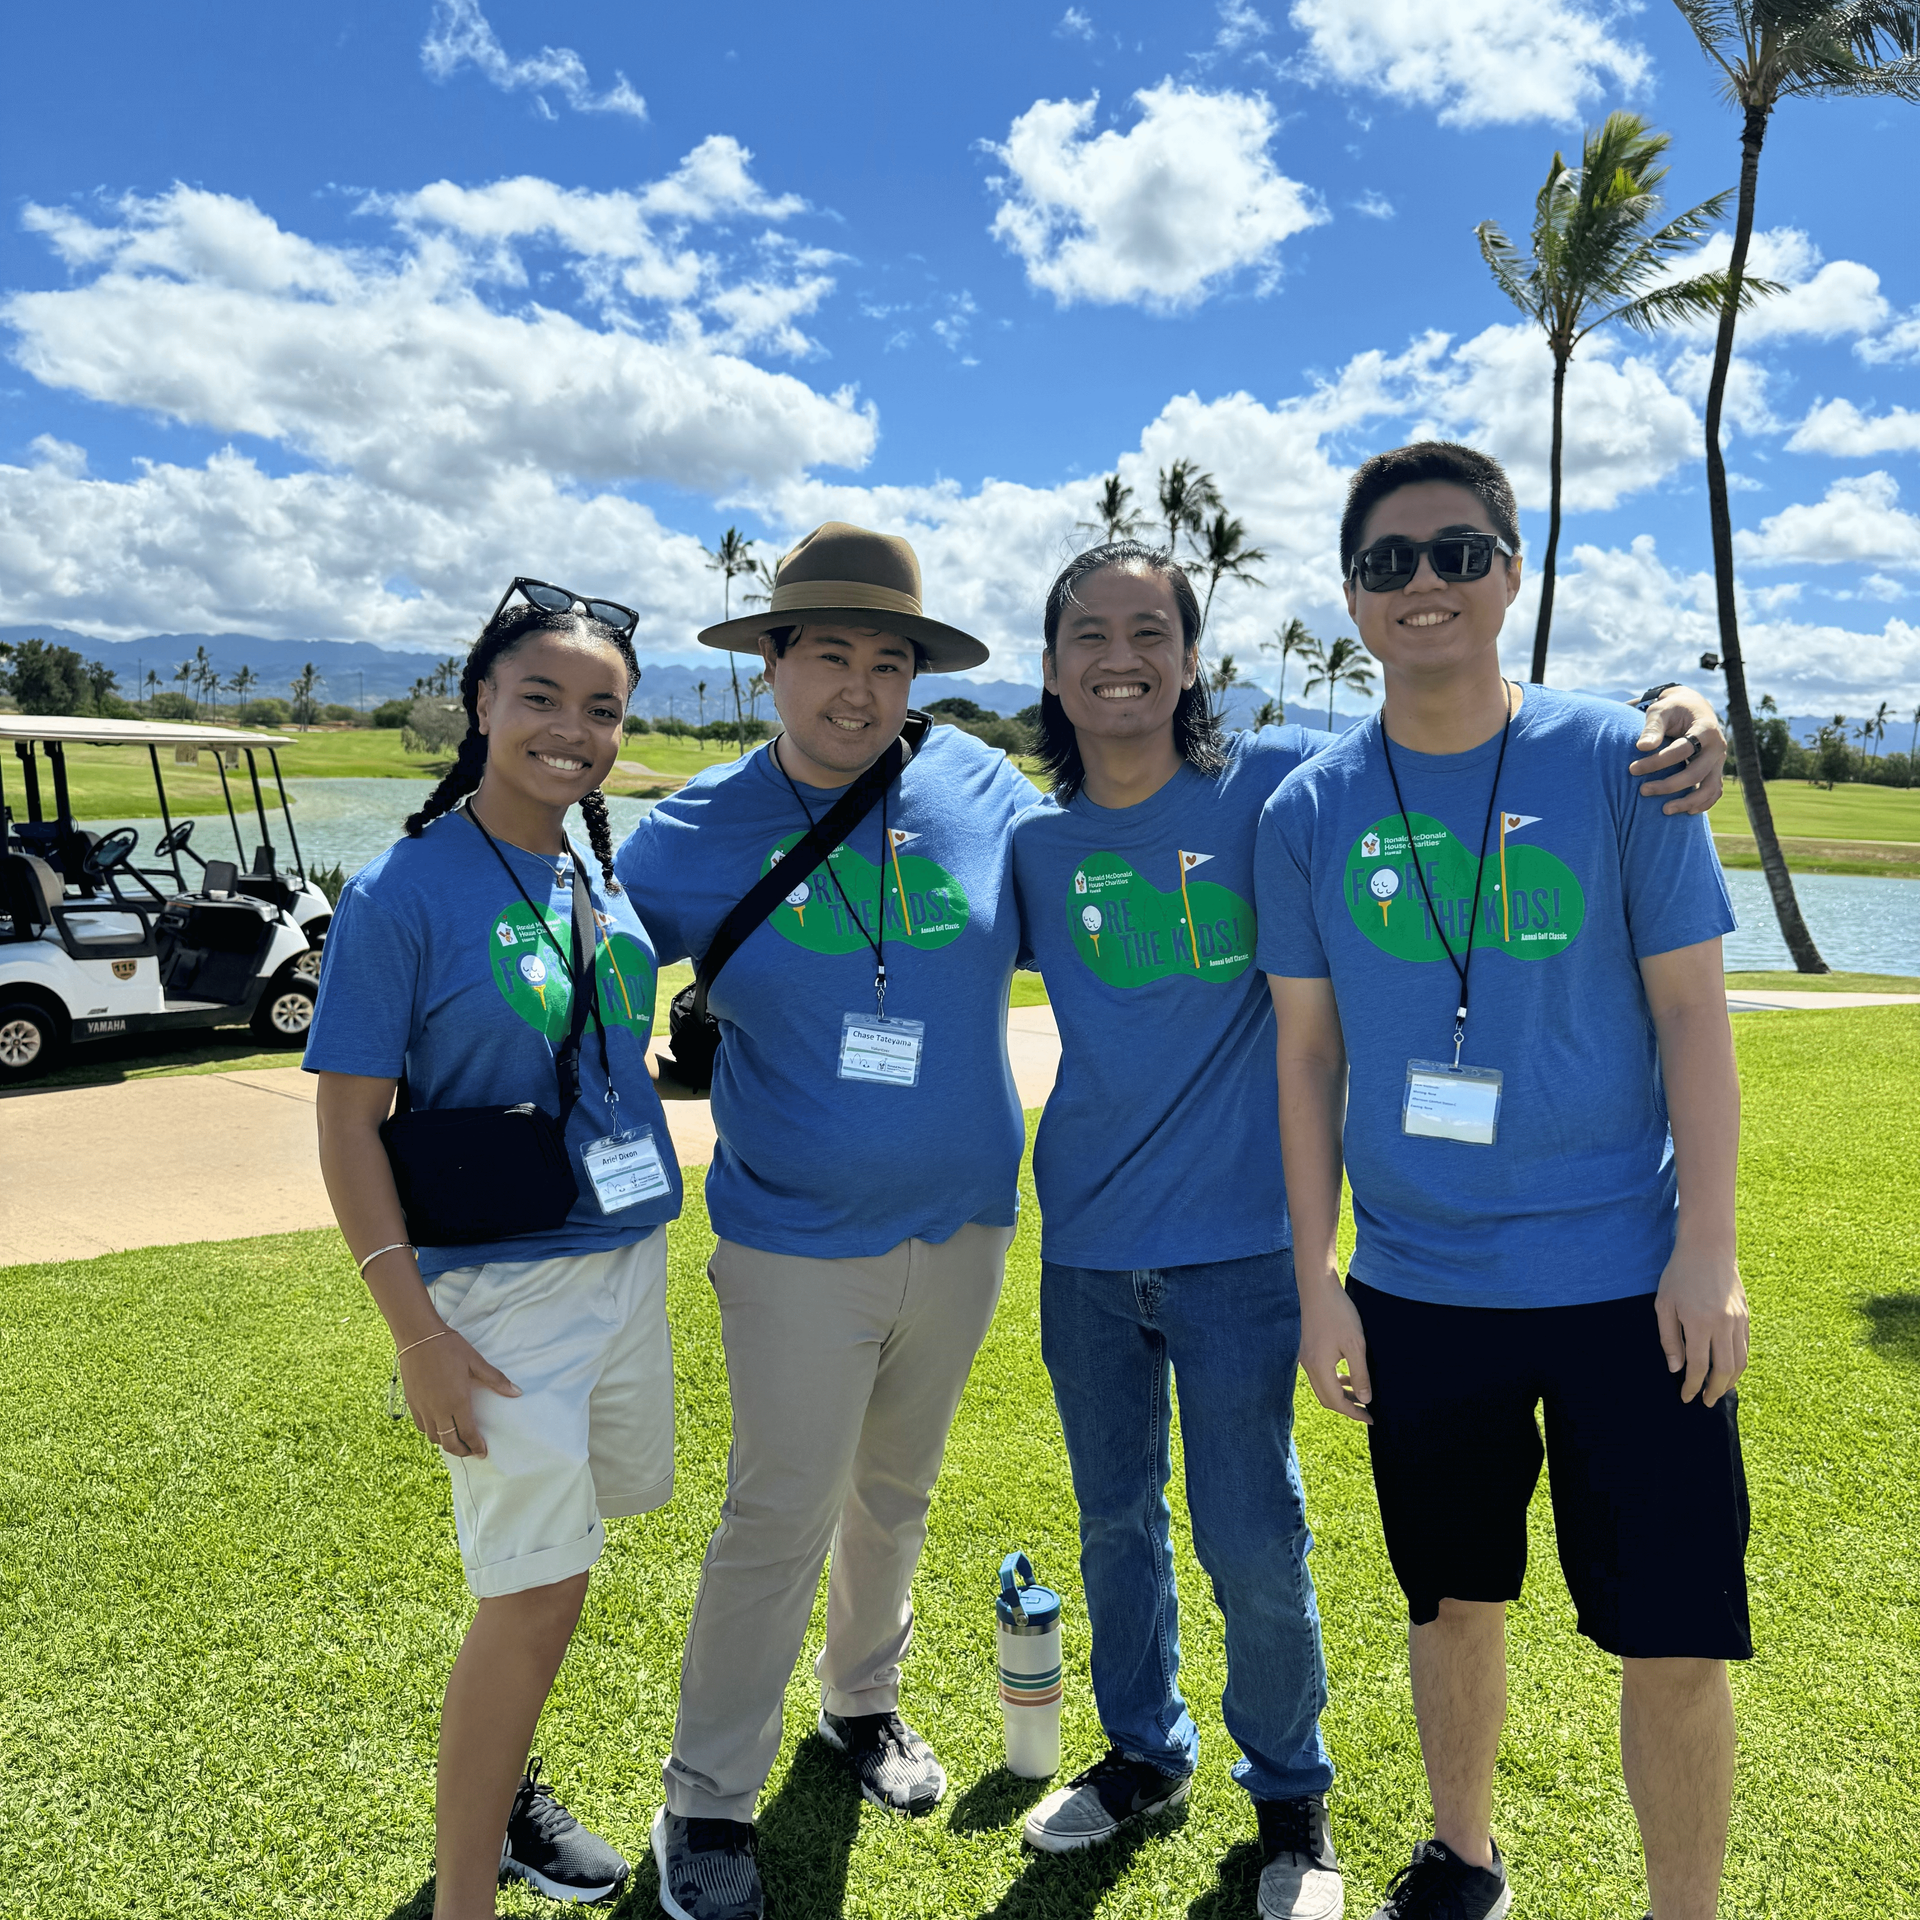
x,y
864,1187
1503,969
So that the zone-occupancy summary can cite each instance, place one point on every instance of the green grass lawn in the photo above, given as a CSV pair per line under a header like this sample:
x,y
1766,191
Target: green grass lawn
x,y
1854,811
229,1595
1786,980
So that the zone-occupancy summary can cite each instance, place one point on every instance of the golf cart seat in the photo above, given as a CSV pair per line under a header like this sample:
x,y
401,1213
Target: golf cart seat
x,y
211,943
263,883
35,900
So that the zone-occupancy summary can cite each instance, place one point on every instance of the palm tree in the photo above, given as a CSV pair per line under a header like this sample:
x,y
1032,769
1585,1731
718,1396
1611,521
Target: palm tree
x,y
1877,726
1186,497
150,685
1339,664
242,683
1913,745
184,675
1768,51
728,559
1225,555
205,678
700,687
306,683
1112,518
757,690
1223,677
1593,261
1293,638
763,574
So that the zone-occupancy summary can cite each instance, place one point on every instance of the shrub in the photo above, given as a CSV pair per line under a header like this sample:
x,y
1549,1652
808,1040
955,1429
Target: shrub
x,y
392,713
337,713
168,705
270,712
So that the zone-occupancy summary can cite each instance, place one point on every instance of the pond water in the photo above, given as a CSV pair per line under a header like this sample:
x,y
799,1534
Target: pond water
x,y
1862,925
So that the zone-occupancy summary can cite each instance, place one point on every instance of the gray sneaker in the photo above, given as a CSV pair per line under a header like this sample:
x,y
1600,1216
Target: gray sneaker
x,y
707,1869
894,1765
1300,1877
1094,1806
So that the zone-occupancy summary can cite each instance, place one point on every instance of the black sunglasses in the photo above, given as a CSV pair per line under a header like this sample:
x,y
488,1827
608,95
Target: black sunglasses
x,y
552,599
1388,565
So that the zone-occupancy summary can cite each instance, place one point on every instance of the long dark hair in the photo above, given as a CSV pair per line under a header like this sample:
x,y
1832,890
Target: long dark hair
x,y
498,638
1196,727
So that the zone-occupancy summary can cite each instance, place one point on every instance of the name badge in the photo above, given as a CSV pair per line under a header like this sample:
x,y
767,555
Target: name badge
x,y
625,1169
1451,1103
886,1052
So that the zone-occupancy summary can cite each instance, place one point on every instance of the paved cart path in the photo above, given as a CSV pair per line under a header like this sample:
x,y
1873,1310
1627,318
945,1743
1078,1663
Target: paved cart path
x,y
222,1156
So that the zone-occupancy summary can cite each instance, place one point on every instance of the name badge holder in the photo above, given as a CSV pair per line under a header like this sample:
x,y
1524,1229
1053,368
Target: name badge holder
x,y
1445,1100
624,1165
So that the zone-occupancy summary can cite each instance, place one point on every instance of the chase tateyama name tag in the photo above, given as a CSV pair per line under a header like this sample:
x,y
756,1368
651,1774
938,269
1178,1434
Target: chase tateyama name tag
x,y
886,1052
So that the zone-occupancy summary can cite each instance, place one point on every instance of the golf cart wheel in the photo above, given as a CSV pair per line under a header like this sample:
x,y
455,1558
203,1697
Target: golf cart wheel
x,y
307,967
285,1011
28,1041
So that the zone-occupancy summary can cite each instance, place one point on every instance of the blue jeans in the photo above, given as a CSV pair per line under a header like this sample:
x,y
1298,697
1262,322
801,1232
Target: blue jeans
x,y
1231,1331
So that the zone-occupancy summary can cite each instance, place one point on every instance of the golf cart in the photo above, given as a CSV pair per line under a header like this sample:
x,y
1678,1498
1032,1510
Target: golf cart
x,y
94,944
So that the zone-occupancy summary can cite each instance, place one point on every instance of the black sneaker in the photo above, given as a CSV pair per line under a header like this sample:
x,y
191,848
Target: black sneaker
x,y
1094,1806
551,1851
895,1766
1299,1875
1438,1885
707,1869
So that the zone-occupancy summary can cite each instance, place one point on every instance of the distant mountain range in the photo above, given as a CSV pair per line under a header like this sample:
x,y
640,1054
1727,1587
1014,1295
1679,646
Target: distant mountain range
x,y
362,673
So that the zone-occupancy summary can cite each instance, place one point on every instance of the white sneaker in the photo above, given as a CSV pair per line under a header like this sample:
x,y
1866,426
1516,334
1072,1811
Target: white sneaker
x,y
1095,1805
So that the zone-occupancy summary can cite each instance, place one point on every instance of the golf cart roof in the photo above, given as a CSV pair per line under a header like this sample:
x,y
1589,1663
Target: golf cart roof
x,y
72,730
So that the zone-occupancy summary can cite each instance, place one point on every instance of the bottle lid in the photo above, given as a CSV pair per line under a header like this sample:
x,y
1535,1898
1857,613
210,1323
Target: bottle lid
x,y
1020,1604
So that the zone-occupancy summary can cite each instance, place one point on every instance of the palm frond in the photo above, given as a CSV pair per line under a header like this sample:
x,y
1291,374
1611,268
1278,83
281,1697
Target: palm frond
x,y
1701,298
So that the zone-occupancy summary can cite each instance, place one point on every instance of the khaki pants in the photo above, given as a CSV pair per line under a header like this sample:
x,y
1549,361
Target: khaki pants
x,y
844,1377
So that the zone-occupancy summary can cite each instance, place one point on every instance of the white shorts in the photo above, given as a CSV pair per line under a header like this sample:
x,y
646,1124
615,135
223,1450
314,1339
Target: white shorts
x,y
590,1436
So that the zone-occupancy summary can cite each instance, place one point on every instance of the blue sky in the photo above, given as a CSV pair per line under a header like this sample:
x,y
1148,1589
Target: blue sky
x,y
323,321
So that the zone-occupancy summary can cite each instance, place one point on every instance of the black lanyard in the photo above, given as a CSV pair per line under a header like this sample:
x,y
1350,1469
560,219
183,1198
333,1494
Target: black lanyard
x,y
571,962
1420,872
879,946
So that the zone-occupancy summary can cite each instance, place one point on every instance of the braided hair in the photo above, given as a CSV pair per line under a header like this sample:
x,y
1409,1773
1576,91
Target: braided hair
x,y
499,638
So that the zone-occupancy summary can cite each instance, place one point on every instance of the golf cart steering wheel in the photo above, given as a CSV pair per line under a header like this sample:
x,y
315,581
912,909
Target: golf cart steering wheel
x,y
174,840
112,851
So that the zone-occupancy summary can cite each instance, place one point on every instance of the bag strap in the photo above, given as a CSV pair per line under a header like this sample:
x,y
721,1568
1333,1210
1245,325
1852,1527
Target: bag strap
x,y
822,838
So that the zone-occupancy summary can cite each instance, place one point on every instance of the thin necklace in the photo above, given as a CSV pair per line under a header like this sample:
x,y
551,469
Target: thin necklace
x,y
559,866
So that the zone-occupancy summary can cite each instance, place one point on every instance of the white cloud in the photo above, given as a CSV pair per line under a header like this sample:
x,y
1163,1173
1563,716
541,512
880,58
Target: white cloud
x,y
200,309
1240,25
1161,215
1376,206
1839,427
1626,428
1478,62
1858,520
1901,341
1745,405
1074,25
1824,298
1623,618
460,36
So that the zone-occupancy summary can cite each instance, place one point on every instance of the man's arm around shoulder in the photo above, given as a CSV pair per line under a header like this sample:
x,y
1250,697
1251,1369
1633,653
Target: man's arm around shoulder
x,y
1701,1304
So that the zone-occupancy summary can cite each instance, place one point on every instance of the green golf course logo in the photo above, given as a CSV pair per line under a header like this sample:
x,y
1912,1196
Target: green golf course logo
x,y
1130,932
533,979
1531,906
923,903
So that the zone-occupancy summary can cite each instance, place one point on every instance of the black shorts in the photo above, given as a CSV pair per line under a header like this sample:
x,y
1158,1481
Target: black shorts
x,y
1649,1495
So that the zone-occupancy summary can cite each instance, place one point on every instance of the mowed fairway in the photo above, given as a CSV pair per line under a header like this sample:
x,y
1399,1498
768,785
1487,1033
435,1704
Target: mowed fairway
x,y
229,1594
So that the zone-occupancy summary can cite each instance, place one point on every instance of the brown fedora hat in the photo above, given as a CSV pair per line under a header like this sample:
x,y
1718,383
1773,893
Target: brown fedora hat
x,y
849,575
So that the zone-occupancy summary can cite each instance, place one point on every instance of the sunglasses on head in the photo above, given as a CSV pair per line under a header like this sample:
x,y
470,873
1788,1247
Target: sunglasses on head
x,y
1388,565
551,599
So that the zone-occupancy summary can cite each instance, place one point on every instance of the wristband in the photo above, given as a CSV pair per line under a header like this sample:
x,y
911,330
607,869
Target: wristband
x,y
392,1246
1652,694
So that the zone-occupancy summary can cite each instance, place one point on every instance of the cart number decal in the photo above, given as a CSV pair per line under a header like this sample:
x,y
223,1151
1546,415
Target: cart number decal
x,y
125,969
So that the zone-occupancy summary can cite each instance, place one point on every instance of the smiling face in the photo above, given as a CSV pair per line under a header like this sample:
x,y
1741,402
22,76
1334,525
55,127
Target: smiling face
x,y
842,694
1120,661
1431,628
551,712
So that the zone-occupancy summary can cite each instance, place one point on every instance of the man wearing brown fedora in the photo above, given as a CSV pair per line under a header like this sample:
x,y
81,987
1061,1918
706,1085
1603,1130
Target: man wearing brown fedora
x,y
864,1183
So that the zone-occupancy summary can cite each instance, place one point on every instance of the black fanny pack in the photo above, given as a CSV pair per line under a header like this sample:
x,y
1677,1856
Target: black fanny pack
x,y
467,1175
695,1032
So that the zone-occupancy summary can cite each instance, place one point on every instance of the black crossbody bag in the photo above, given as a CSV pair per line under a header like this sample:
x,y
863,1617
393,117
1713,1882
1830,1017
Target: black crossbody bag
x,y
467,1175
695,1032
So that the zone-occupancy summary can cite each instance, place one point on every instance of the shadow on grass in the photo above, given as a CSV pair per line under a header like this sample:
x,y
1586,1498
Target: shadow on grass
x,y
101,1063
1235,1893
418,1905
1070,1886
805,1833
1893,1325
995,1800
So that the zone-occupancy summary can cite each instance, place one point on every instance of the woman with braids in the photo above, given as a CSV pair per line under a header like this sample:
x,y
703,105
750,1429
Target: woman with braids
x,y
539,1364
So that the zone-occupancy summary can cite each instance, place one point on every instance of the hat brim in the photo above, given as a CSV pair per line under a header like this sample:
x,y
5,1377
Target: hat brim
x,y
948,649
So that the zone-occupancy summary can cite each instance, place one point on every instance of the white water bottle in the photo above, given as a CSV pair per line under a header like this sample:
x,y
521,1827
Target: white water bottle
x,y
1029,1618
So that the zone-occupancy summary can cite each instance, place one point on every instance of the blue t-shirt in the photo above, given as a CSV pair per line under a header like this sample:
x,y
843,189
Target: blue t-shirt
x,y
434,964
809,1163
1160,1144
1575,1200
